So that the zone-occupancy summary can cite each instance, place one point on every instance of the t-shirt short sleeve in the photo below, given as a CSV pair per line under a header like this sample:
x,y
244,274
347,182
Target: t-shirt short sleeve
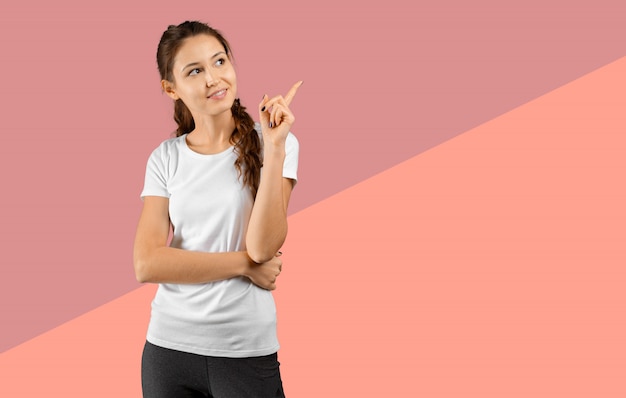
x,y
292,149
155,183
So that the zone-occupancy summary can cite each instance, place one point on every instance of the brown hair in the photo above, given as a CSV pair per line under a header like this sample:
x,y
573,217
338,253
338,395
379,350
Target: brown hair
x,y
244,136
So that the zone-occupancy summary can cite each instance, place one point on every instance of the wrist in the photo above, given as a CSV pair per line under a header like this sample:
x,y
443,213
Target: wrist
x,y
246,264
274,151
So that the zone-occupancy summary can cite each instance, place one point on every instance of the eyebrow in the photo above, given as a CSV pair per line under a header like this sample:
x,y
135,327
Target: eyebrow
x,y
198,63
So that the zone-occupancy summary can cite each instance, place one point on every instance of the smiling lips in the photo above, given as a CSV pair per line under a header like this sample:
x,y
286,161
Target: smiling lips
x,y
218,94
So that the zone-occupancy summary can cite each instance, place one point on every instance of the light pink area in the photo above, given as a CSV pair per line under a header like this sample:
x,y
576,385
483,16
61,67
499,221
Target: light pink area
x,y
490,266
382,82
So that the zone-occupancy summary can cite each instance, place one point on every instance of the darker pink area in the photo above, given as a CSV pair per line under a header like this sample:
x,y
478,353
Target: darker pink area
x,y
382,83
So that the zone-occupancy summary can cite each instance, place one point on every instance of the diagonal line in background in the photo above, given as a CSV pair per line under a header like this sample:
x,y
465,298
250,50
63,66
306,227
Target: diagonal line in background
x,y
383,83
465,269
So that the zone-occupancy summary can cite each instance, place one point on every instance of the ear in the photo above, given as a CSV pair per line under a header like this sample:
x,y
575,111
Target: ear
x,y
168,88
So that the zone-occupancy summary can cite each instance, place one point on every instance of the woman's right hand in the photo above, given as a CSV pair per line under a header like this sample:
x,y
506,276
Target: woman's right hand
x,y
264,275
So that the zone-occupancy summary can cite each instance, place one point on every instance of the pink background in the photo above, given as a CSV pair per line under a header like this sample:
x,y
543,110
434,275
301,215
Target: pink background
x,y
488,261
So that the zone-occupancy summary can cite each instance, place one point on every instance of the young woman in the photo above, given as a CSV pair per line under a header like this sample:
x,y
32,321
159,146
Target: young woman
x,y
212,331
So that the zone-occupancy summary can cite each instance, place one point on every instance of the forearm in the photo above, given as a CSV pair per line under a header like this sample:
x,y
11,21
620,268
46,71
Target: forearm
x,y
172,265
267,228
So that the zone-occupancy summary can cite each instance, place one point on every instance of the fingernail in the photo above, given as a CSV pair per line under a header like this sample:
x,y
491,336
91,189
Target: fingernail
x,y
270,124
263,109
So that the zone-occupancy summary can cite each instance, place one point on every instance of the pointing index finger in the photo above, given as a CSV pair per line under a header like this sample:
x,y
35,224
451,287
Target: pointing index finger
x,y
292,92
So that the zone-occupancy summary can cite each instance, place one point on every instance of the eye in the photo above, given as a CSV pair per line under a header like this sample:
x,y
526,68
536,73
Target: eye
x,y
220,62
194,71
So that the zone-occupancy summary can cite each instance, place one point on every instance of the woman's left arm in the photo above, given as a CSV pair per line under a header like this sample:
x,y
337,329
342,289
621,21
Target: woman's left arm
x,y
267,228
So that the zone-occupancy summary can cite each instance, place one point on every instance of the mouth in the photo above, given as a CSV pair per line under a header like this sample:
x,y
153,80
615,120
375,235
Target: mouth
x,y
218,94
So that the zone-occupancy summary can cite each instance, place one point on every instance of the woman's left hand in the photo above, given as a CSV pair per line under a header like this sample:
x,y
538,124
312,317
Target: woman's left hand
x,y
276,117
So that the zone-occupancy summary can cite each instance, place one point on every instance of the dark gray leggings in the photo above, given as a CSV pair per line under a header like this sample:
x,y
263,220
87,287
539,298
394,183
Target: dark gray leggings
x,y
172,374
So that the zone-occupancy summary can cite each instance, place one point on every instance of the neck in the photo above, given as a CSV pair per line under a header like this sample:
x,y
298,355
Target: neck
x,y
212,133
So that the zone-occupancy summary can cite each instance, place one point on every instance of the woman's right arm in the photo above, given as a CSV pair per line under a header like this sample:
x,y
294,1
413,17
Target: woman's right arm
x,y
156,262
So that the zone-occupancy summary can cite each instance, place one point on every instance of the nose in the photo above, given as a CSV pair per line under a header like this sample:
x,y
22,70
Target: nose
x,y
211,78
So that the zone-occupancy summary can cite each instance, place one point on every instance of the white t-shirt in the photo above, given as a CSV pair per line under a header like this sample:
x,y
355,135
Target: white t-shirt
x,y
209,209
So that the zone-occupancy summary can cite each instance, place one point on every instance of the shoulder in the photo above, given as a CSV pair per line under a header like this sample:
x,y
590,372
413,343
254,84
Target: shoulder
x,y
172,144
168,147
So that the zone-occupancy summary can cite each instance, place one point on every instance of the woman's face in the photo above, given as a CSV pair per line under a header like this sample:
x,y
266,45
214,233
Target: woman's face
x,y
204,77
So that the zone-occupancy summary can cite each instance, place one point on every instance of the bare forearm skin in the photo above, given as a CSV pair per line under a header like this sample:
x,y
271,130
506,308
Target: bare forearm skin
x,y
172,265
267,228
